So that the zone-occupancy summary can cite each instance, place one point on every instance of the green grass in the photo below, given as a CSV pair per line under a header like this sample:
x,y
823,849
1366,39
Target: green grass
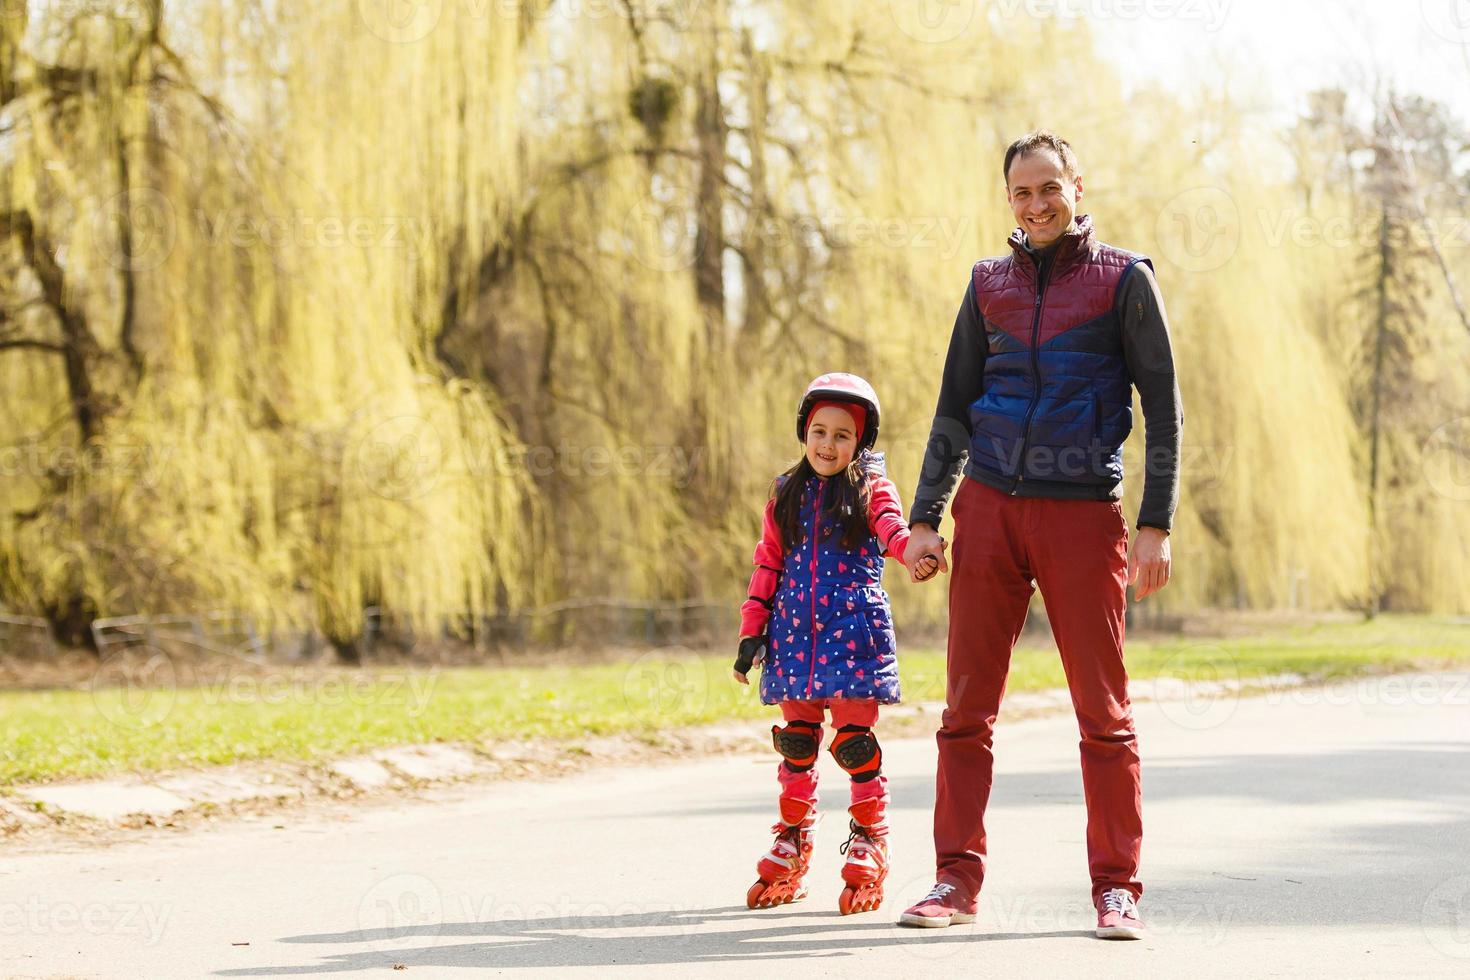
x,y
49,735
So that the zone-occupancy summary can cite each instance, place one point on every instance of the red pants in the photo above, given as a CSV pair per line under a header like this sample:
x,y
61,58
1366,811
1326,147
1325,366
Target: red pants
x,y
803,785
1077,551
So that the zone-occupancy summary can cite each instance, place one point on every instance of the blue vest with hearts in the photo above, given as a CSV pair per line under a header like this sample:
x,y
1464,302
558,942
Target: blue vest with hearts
x,y
831,631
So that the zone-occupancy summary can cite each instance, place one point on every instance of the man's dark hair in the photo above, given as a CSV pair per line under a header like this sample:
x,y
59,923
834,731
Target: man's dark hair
x,y
1042,139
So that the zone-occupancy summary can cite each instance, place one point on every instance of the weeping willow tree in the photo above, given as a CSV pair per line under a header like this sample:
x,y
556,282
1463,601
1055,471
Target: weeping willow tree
x,y
462,308
232,231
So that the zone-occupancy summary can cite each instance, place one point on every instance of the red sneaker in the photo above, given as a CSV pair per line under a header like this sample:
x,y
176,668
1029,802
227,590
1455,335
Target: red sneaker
x,y
941,907
1117,915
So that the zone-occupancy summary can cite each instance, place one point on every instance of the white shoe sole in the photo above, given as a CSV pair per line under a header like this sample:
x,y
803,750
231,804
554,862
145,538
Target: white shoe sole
x,y
1120,932
935,921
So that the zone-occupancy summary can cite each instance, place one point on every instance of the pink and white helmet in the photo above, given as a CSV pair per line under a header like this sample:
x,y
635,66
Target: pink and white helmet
x,y
842,388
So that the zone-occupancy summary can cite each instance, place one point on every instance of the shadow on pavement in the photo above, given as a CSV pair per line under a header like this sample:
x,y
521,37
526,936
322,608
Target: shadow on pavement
x,y
1394,824
540,942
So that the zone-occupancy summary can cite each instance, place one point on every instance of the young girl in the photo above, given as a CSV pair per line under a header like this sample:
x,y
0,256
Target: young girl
x,y
818,621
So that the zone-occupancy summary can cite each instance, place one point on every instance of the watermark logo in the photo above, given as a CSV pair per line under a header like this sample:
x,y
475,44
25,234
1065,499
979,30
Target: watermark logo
x,y
135,687
933,21
1446,459
1449,19
152,229
1199,229
662,229
402,914
1446,917
1198,687
400,21
400,458
665,683
1210,13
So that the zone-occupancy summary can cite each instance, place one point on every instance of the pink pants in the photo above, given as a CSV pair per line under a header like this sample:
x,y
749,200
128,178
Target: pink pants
x,y
803,785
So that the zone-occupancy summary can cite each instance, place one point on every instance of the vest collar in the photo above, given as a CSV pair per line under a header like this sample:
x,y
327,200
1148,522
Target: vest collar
x,y
1074,246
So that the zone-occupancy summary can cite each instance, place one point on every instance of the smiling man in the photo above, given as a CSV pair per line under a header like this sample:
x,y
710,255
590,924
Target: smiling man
x,y
1036,401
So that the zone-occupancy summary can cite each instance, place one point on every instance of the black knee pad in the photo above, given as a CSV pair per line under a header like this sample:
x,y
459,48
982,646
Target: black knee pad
x,y
797,743
857,751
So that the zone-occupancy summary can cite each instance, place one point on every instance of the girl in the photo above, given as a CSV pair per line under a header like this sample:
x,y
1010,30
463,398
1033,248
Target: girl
x,y
817,620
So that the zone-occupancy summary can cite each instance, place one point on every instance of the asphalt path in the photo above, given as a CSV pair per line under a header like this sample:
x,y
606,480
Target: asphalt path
x,y
1318,832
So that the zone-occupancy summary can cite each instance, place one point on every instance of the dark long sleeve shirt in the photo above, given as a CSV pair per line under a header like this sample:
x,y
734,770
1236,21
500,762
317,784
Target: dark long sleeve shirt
x,y
1150,359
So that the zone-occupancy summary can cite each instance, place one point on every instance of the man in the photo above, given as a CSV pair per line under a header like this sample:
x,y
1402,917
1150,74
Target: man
x,y
1037,392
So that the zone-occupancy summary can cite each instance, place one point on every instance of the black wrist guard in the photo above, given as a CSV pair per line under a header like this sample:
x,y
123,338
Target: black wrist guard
x,y
750,648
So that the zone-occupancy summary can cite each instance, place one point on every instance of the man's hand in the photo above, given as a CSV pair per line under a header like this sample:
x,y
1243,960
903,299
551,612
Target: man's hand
x,y
924,542
1148,563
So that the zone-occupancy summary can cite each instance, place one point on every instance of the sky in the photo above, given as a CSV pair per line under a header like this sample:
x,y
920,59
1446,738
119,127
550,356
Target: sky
x,y
1272,52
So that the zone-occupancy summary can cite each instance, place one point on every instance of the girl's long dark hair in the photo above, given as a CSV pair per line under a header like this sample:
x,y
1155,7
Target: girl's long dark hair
x,y
844,501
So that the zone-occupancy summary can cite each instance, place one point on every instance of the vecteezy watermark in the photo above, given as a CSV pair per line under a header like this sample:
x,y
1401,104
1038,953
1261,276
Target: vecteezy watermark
x,y
1210,13
563,913
245,229
406,457
944,234
34,917
1343,231
406,695
1203,925
407,21
1199,229
65,10
662,231
1449,19
1389,691
144,464
1446,459
677,464
138,686
1446,917
1204,465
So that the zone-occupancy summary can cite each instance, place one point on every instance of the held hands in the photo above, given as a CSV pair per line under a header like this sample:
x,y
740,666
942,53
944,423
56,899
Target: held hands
x,y
925,567
1149,562
924,555
752,652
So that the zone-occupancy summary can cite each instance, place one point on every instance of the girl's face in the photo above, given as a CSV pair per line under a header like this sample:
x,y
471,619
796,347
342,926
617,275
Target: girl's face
x,y
831,440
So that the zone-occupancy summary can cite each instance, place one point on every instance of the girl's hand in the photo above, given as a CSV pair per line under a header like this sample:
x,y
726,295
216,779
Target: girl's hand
x,y
926,566
752,652
924,543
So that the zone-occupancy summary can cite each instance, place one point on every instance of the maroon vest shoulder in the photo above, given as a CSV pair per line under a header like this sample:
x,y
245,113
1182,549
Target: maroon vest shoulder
x,y
1083,287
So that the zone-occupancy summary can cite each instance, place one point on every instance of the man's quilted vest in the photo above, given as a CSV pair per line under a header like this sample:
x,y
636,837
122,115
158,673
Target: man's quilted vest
x,y
1056,403
831,632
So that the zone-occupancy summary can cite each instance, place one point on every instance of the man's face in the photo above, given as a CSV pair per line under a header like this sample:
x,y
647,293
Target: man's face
x,y
1042,198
